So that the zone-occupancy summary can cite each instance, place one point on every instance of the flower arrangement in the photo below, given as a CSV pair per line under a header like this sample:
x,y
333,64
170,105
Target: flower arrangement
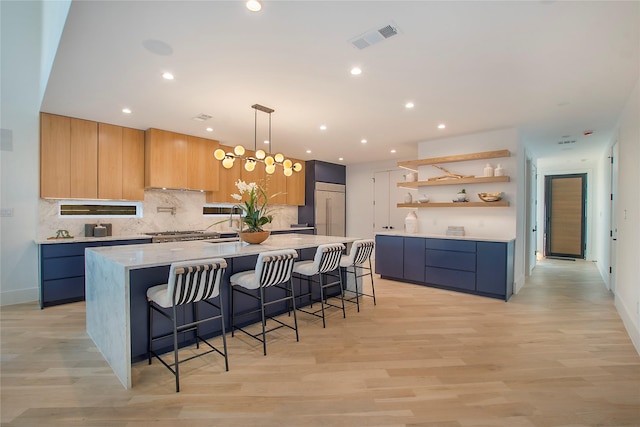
x,y
255,206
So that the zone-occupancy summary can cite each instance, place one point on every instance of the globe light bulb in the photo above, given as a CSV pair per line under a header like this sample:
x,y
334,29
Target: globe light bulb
x,y
297,167
269,161
238,150
227,163
219,154
250,165
288,172
288,164
279,158
260,154
270,169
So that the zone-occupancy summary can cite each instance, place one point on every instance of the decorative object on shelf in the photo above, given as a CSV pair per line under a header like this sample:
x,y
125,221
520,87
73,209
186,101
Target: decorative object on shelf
x,y
411,223
270,162
448,174
411,177
61,234
490,197
488,170
498,171
455,230
254,237
408,198
461,196
423,199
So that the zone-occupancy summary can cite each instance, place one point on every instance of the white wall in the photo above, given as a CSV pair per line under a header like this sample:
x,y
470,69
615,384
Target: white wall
x,y
627,297
22,91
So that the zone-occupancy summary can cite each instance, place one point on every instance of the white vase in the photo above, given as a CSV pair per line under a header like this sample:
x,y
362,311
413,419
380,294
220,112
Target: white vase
x,y
408,198
499,171
488,170
411,223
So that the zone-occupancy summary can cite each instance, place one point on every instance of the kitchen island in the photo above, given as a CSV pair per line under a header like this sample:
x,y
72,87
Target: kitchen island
x,y
118,277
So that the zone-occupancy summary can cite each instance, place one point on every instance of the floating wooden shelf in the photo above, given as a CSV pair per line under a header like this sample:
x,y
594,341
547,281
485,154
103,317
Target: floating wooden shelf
x,y
477,180
413,164
500,204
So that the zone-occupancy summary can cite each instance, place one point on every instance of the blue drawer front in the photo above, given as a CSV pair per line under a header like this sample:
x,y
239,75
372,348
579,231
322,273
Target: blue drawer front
x,y
451,245
58,268
65,249
63,289
451,278
454,260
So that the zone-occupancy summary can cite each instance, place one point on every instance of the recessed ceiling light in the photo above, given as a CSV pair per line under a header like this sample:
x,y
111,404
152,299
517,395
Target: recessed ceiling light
x,y
355,71
323,127
340,158
393,151
209,129
409,105
167,76
253,5
126,110
266,141
441,126
308,151
363,141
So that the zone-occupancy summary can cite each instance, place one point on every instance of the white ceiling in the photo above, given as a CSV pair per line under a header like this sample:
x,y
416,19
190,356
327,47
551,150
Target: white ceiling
x,y
552,69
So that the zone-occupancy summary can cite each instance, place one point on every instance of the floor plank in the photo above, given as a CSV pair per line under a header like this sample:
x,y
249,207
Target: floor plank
x,y
556,354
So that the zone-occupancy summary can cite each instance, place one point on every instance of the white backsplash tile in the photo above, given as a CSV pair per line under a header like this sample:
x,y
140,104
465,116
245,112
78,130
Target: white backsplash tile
x,y
188,216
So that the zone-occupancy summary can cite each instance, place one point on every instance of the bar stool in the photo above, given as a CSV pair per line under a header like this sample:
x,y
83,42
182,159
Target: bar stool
x,y
361,251
325,263
189,282
273,269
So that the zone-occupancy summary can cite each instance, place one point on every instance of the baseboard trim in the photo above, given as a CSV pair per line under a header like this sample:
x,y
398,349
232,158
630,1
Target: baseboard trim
x,y
19,296
629,324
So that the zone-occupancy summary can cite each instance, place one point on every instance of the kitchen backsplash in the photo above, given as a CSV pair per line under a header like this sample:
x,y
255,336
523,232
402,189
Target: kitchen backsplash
x,y
188,216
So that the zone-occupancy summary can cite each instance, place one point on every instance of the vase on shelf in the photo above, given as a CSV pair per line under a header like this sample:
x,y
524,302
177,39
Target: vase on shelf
x,y
499,171
408,198
254,237
488,170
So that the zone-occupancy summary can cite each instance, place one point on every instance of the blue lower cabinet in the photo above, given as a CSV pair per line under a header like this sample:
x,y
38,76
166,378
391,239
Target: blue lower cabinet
x,y
495,269
456,279
414,252
62,270
390,256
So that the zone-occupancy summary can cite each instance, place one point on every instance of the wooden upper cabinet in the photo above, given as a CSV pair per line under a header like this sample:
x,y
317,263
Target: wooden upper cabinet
x,y
295,186
132,164
277,187
109,161
68,157
174,160
202,167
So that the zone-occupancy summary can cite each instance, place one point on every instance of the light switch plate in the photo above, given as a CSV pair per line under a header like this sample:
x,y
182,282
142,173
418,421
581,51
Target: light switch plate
x,y
6,212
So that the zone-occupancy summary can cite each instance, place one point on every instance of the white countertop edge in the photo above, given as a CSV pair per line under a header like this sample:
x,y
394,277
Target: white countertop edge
x,y
440,236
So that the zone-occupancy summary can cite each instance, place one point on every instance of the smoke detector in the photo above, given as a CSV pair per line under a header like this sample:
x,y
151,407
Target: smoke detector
x,y
375,35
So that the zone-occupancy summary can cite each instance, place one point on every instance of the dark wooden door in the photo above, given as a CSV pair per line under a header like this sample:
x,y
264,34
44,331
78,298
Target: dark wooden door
x,y
565,201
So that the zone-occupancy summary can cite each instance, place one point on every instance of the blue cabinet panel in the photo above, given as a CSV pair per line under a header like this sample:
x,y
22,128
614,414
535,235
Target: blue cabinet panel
x,y
451,245
451,278
453,260
65,249
67,290
414,259
125,242
390,256
58,268
494,276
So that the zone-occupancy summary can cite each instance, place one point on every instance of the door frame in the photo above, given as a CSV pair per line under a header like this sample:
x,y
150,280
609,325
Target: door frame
x,y
547,217
613,226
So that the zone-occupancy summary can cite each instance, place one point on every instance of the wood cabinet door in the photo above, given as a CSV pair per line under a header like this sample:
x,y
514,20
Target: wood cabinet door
x,y
55,156
109,161
295,186
132,164
226,181
202,167
165,159
276,185
84,159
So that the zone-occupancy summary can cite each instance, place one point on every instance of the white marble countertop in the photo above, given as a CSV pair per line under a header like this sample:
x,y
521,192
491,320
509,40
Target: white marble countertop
x,y
156,254
441,236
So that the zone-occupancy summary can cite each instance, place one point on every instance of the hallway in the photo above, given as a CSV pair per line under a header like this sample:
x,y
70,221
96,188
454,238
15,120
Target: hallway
x,y
556,354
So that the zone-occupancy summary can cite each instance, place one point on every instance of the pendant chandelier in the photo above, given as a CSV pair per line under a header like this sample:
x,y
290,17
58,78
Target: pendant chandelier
x,y
270,162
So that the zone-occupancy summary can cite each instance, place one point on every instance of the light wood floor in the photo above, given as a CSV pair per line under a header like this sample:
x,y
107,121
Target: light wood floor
x,y
557,354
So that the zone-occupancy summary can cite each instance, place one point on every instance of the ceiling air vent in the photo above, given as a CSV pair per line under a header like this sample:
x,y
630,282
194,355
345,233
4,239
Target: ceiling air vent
x,y
568,141
374,36
202,117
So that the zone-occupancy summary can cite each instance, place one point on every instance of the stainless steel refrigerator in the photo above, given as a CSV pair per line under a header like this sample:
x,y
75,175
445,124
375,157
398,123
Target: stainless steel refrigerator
x,y
330,212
